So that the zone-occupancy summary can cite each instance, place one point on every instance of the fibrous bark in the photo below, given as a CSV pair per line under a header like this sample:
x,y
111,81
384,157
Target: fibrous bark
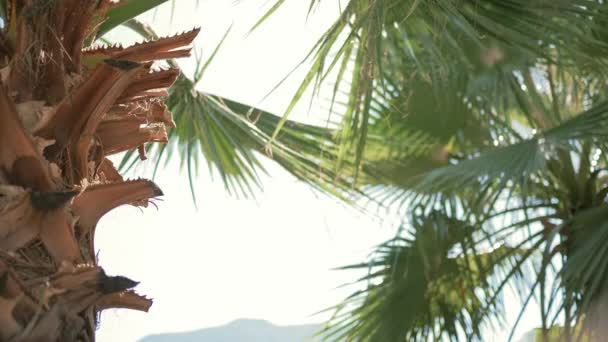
x,y
63,109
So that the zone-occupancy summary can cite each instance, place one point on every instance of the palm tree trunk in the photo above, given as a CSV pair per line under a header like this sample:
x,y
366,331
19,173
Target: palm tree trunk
x,y
63,110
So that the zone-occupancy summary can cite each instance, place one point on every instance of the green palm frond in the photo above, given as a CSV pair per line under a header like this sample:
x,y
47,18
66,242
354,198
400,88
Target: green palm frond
x,y
497,105
480,121
232,137
438,37
520,161
126,11
425,285
586,269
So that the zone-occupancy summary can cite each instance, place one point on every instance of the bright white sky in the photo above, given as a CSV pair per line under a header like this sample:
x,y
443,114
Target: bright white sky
x,y
237,258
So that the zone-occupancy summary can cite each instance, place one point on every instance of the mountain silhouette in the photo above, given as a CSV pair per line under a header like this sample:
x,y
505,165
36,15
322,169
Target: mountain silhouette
x,y
245,330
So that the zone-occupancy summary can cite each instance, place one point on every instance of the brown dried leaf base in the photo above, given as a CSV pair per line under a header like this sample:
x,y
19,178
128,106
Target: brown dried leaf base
x,y
63,110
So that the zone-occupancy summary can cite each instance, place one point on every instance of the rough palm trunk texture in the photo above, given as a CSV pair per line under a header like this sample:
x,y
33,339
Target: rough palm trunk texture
x,y
63,110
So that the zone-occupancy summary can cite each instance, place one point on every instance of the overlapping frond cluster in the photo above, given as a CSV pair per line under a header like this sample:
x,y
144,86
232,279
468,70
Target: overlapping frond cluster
x,y
498,106
63,110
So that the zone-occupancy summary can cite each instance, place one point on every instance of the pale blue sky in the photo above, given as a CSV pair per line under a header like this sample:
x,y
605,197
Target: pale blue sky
x,y
237,258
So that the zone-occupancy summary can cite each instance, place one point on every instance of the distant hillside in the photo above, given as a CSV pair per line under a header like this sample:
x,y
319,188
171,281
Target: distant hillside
x,y
530,336
246,330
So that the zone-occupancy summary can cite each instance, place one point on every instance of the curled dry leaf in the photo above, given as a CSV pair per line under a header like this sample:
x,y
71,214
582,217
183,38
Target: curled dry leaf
x,y
124,300
108,172
25,216
63,110
95,201
122,135
164,48
18,156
